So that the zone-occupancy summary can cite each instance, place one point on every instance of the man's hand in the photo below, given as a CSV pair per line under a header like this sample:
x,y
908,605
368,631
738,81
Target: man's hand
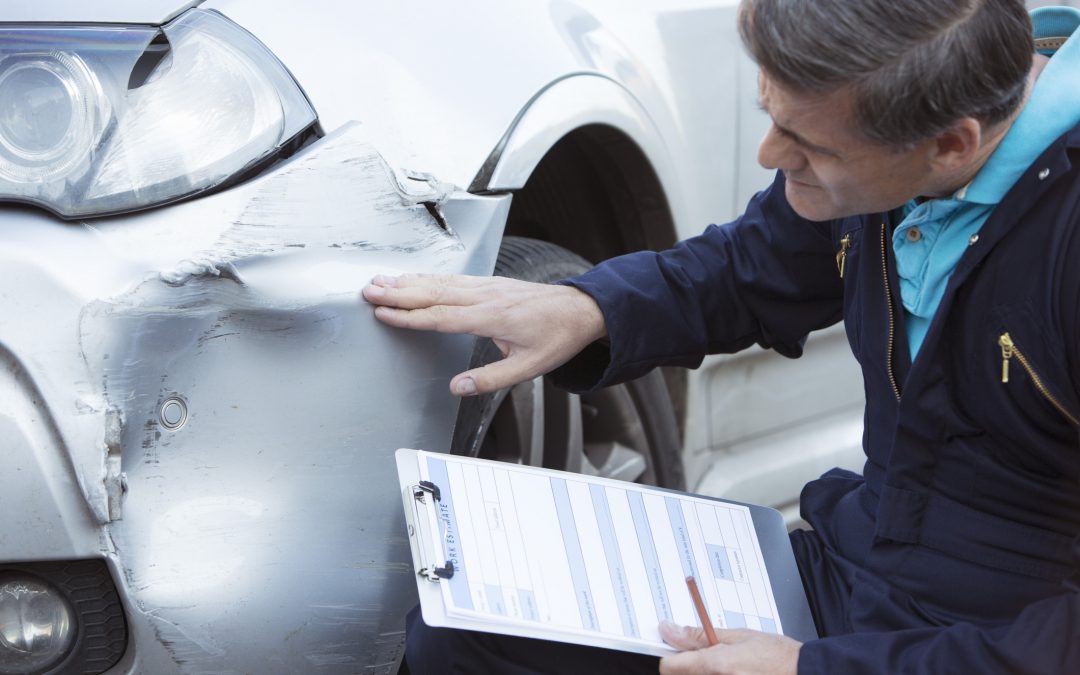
x,y
740,652
537,327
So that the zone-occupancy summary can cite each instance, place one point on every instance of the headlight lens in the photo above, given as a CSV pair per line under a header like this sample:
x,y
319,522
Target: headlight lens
x,y
36,625
80,135
46,121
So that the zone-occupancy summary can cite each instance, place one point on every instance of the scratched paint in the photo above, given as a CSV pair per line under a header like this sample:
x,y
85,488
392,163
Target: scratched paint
x,y
259,489
371,209
273,512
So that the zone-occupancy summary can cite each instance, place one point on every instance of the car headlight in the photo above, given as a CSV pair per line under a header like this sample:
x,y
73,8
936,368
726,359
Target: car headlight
x,y
36,625
98,120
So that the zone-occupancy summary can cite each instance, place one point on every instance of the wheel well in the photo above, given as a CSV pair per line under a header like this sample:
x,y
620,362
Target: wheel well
x,y
596,194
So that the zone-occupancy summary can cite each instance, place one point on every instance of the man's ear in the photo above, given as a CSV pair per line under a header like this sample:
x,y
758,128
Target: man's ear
x,y
959,146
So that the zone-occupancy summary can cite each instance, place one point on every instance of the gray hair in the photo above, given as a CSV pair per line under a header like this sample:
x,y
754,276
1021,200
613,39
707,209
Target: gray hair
x,y
915,67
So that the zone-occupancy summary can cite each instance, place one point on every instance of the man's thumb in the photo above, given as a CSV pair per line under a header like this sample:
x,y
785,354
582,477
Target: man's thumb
x,y
492,377
683,637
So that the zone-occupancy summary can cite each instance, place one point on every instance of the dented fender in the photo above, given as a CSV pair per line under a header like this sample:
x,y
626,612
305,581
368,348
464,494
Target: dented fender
x,y
199,394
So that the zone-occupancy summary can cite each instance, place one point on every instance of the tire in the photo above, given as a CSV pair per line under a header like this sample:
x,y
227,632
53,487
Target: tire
x,y
627,431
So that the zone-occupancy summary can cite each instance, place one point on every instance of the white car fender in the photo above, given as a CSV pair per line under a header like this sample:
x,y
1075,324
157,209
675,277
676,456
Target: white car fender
x,y
567,104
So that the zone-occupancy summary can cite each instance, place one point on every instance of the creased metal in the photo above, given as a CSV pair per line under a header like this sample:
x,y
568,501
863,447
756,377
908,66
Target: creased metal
x,y
264,535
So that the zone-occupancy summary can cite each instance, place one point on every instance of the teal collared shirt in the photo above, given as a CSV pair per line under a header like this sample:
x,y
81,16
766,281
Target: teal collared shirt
x,y
933,235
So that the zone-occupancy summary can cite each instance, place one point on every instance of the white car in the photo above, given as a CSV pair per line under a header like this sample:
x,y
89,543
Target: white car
x,y
198,413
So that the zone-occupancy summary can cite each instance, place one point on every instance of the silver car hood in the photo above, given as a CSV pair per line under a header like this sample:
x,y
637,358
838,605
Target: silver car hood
x,y
146,12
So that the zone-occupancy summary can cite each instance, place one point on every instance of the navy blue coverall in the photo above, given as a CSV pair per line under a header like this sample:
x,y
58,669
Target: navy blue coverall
x,y
957,550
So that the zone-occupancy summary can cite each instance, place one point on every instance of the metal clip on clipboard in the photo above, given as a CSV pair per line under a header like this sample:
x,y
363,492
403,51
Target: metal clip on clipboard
x,y
420,530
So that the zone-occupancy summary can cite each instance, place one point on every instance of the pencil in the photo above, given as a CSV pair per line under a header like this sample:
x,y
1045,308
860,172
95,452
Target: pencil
x,y
703,615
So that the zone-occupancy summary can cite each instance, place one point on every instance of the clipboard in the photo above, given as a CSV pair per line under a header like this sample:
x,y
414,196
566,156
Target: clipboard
x,y
438,557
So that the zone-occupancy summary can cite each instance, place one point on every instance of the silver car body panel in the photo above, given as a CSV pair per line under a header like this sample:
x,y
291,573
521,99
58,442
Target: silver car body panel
x,y
271,511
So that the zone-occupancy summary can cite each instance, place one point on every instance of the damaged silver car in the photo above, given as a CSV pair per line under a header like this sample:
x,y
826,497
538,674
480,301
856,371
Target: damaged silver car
x,y
198,412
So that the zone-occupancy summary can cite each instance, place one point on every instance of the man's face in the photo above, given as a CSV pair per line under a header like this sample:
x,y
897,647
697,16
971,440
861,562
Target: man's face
x,y
832,171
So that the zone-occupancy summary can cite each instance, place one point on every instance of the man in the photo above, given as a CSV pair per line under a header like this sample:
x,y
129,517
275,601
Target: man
x,y
926,194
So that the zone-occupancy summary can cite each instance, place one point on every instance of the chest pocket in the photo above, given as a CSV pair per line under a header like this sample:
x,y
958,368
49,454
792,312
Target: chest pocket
x,y
1028,397
1033,371
1010,352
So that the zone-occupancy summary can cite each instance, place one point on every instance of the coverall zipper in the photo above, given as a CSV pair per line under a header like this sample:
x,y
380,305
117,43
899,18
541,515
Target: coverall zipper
x,y
1008,351
892,320
841,255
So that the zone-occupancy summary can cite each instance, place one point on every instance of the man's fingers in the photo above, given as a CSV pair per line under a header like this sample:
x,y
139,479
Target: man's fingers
x,y
536,326
683,638
414,280
683,663
691,637
442,318
493,377
418,297
741,650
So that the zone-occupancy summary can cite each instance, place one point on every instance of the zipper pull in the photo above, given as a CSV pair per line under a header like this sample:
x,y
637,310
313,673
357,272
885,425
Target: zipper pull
x,y
841,255
1007,349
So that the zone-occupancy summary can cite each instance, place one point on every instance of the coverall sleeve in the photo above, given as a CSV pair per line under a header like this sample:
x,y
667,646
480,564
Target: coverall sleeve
x,y
1043,640
768,278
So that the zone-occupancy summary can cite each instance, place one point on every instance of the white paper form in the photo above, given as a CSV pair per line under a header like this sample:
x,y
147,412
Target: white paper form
x,y
590,556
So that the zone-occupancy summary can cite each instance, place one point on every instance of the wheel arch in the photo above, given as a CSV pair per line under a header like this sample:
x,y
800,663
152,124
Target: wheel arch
x,y
589,118
589,172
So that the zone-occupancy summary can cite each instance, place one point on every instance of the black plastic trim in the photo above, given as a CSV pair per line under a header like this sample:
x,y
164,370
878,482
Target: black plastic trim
x,y
101,632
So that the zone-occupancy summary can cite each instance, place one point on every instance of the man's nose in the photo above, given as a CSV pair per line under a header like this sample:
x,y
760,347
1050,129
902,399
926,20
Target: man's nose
x,y
777,151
